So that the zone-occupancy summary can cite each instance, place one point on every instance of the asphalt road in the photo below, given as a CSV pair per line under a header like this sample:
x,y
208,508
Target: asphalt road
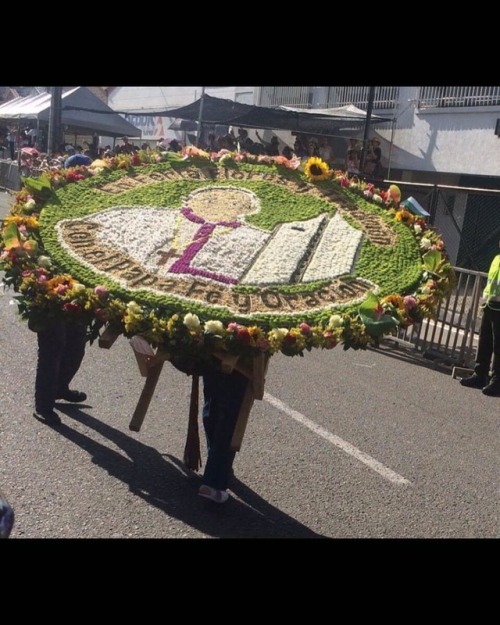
x,y
344,445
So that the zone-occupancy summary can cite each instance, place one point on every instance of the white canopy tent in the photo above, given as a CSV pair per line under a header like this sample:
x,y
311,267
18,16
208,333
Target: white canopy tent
x,y
347,112
81,111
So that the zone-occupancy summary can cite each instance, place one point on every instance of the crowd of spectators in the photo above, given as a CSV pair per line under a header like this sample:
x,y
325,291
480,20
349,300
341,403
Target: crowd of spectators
x,y
304,147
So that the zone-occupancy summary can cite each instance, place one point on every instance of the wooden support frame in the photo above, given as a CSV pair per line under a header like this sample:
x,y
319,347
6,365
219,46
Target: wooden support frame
x,y
147,394
255,371
151,364
107,338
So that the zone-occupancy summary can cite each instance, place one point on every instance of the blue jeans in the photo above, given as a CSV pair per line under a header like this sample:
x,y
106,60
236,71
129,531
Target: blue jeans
x,y
223,395
61,347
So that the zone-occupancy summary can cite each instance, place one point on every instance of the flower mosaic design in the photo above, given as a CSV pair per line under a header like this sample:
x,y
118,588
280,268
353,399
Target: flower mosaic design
x,y
230,252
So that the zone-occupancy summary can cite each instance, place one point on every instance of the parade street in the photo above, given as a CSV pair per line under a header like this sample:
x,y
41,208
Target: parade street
x,y
345,444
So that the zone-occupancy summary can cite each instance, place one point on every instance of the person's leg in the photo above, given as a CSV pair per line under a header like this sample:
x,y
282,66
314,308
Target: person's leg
x,y
72,357
479,379
210,407
223,398
493,388
51,344
485,344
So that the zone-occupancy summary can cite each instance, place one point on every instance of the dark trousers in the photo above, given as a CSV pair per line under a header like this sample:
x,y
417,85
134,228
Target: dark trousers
x,y
489,344
223,395
61,348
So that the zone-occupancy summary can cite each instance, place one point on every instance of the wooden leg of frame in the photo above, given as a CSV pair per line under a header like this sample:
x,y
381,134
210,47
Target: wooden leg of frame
x,y
146,396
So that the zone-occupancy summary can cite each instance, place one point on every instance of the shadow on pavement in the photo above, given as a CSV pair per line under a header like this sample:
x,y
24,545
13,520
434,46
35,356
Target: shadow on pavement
x,y
437,363
162,481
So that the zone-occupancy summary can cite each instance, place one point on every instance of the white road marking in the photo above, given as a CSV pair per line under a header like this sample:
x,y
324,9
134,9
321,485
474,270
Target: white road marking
x,y
384,471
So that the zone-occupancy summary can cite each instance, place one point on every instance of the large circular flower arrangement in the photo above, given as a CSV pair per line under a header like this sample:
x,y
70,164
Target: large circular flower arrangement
x,y
200,252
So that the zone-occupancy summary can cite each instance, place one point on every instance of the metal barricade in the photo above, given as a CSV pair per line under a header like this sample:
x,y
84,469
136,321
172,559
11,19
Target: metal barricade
x,y
9,175
451,338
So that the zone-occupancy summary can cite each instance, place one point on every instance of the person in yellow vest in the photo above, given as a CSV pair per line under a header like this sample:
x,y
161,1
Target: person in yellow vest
x,y
489,337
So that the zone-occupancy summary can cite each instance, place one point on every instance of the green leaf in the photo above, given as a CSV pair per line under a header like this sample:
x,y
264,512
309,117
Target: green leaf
x,y
11,236
376,319
371,307
384,325
40,187
431,260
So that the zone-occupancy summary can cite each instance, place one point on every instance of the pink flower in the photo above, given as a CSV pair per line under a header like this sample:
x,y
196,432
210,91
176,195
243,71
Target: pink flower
x,y
232,327
71,307
330,339
263,344
305,328
244,336
61,289
409,302
101,292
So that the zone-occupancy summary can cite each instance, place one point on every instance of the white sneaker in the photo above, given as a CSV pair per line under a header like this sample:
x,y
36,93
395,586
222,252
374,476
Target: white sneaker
x,y
218,496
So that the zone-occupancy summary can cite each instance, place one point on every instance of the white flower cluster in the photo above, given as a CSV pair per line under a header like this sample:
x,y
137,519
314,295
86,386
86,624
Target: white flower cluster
x,y
230,250
334,255
139,231
336,251
279,260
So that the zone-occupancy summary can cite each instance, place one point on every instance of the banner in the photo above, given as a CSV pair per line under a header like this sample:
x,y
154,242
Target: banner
x,y
152,128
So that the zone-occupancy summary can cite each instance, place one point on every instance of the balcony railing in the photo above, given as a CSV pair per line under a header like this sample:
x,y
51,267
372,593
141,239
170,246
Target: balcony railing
x,y
383,98
298,97
432,97
302,97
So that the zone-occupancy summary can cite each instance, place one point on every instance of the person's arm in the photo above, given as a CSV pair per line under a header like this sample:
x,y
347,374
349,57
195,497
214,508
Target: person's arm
x,y
264,143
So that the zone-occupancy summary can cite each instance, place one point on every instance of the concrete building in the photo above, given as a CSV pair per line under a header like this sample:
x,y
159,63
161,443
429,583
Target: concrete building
x,y
445,135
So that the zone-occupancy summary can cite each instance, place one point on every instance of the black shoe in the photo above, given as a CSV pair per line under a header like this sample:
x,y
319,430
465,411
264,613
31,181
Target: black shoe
x,y
75,397
474,381
50,417
492,389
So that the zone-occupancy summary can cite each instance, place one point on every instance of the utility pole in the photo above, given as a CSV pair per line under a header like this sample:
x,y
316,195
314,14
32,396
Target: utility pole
x,y
55,134
371,97
200,117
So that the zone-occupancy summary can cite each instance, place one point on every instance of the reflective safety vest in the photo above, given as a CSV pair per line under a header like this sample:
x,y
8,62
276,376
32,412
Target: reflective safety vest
x,y
491,293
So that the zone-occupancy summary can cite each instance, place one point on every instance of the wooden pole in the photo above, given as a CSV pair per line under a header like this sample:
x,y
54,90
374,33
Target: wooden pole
x,y
371,97
200,117
146,396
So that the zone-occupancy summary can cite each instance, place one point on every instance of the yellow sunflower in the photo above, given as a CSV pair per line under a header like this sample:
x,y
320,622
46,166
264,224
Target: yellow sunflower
x,y
404,216
316,169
